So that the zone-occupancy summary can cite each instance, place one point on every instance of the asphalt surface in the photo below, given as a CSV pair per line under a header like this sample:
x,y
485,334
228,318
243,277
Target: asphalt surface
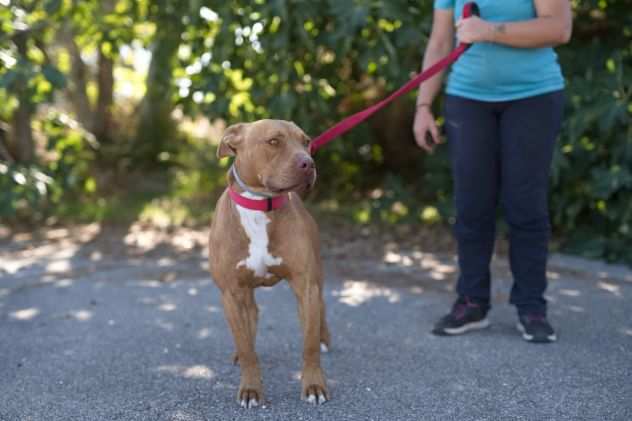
x,y
124,341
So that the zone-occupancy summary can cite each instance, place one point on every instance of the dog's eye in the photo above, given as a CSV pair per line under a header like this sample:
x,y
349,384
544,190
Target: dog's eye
x,y
274,141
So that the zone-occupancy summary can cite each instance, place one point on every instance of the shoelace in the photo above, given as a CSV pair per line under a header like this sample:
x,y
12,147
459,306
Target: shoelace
x,y
461,307
535,318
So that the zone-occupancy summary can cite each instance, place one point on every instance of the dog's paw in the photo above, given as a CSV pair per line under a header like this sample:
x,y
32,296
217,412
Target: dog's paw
x,y
316,396
249,397
324,348
314,389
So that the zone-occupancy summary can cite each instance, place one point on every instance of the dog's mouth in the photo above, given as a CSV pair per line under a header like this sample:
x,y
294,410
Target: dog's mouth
x,y
290,188
279,183
303,185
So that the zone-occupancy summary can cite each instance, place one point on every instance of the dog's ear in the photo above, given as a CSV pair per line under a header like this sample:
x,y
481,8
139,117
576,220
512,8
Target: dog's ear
x,y
232,137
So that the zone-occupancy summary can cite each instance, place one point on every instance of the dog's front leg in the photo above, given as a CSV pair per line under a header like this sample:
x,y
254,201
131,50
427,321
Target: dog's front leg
x,y
237,309
314,387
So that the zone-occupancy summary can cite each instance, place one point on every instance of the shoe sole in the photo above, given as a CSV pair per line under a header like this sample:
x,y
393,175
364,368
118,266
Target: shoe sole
x,y
530,338
481,324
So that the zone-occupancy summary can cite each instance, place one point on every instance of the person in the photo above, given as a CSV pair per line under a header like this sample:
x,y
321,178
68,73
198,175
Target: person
x,y
503,109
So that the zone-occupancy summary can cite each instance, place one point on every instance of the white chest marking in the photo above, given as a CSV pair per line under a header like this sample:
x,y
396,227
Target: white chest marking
x,y
255,225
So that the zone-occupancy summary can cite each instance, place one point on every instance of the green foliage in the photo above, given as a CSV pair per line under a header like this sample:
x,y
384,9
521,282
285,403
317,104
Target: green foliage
x,y
297,59
23,190
313,62
33,192
592,177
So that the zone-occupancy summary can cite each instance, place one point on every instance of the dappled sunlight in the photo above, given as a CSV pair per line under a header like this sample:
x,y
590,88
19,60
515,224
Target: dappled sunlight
x,y
149,284
54,252
167,307
610,287
81,315
25,314
49,256
188,372
143,238
569,292
169,276
58,266
626,331
165,261
436,268
396,258
417,290
168,326
354,293
203,333
63,283
619,271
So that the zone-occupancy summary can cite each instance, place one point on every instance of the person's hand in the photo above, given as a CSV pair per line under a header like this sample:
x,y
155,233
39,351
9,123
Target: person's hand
x,y
425,129
474,29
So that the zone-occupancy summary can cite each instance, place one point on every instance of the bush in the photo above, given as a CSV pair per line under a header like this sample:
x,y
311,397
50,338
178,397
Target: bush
x,y
591,201
63,178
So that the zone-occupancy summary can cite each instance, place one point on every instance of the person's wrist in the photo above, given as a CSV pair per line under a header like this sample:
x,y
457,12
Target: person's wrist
x,y
491,33
423,105
495,30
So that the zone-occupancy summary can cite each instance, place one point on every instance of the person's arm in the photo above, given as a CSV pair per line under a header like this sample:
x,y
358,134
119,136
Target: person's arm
x,y
439,45
552,26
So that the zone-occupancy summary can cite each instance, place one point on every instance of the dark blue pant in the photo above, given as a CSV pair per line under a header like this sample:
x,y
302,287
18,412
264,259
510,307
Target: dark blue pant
x,y
502,151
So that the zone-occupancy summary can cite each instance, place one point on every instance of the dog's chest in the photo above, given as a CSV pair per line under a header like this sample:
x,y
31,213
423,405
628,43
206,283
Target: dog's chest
x,y
259,258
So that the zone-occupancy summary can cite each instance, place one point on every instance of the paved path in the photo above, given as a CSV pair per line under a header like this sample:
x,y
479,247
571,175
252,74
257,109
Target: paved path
x,y
86,334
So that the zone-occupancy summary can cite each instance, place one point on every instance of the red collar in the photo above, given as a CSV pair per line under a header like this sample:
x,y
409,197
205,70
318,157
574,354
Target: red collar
x,y
264,205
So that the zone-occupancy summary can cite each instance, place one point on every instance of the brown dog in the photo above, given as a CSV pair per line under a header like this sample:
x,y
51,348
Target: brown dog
x,y
251,248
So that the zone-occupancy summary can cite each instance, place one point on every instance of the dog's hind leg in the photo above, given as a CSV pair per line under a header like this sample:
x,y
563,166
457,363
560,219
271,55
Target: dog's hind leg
x,y
241,316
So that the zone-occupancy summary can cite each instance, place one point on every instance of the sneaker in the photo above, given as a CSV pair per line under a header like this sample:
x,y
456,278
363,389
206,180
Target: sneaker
x,y
465,316
536,328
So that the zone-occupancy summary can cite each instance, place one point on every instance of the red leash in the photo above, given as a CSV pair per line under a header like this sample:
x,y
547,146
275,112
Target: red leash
x,y
269,204
469,9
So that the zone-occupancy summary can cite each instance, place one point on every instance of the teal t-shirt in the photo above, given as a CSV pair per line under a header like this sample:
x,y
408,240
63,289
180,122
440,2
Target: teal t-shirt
x,y
494,72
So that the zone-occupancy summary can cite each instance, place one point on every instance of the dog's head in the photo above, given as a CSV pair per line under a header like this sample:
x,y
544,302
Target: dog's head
x,y
271,154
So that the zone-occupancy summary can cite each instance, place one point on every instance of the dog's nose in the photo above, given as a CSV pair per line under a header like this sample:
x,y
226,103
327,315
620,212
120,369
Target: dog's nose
x,y
305,163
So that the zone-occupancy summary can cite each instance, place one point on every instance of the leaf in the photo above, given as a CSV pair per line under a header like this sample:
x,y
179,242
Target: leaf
x,y
52,6
587,244
54,76
7,79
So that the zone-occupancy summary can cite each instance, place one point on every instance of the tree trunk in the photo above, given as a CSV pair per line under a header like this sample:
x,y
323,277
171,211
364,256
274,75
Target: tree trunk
x,y
102,123
77,91
22,116
393,130
155,126
5,154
